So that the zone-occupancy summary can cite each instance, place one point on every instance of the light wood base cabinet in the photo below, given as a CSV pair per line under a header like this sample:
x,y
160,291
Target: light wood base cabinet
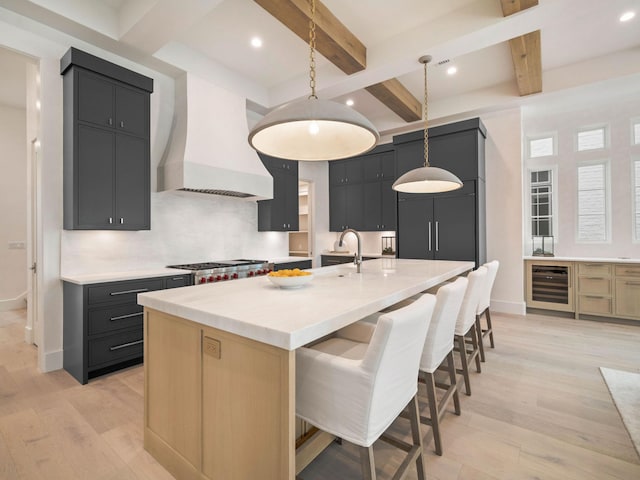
x,y
602,289
217,406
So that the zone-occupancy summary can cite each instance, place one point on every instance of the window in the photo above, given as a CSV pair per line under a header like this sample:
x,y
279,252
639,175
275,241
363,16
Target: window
x,y
592,202
635,124
541,198
592,139
542,146
636,200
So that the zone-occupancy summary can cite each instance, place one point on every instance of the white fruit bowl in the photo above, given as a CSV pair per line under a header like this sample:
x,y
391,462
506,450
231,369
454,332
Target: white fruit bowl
x,y
291,282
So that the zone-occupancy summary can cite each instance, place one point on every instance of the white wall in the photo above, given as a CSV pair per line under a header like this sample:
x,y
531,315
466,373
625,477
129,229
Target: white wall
x,y
13,201
503,174
615,109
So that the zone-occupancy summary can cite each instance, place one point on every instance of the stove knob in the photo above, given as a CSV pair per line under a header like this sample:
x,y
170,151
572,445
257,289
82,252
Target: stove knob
x,y
235,275
218,278
251,274
225,277
203,280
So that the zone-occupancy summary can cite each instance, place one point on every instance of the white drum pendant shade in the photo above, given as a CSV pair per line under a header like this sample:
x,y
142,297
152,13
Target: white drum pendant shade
x,y
313,129
427,180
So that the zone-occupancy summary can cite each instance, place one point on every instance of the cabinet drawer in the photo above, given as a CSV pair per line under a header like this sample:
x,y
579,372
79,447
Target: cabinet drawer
x,y
178,281
594,285
122,292
594,269
628,270
103,320
594,304
116,347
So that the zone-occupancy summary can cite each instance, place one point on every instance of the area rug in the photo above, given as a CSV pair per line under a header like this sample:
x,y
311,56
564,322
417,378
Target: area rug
x,y
624,388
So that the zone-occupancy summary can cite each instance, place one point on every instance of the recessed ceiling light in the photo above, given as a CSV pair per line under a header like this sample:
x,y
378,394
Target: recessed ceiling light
x,y
349,102
452,70
626,16
256,42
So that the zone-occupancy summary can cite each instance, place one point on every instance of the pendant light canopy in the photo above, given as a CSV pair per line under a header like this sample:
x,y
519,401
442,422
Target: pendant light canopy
x,y
313,129
427,179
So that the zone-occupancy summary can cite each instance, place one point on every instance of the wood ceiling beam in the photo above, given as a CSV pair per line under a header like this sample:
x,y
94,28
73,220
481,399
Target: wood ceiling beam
x,y
527,62
525,51
398,99
509,7
333,40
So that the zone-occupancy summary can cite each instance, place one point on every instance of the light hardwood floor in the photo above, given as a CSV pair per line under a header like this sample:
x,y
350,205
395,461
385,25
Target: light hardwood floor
x,y
539,410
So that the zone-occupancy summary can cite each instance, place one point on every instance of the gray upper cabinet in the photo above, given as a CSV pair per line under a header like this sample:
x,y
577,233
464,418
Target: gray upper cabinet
x,y
106,145
280,214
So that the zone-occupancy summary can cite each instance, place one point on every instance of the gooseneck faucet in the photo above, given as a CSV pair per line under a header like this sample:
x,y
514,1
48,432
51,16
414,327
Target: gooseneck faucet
x,y
357,258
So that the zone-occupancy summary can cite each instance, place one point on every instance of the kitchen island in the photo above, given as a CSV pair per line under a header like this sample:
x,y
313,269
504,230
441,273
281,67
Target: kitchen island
x,y
220,361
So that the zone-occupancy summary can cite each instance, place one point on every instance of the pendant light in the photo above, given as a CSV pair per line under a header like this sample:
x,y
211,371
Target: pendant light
x,y
313,129
427,179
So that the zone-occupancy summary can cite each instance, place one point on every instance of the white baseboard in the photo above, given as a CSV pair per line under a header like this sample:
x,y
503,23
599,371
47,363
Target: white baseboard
x,y
51,361
17,303
513,308
28,334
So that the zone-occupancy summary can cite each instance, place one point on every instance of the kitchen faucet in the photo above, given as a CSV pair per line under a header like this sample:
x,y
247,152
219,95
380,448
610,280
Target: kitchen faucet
x,y
357,258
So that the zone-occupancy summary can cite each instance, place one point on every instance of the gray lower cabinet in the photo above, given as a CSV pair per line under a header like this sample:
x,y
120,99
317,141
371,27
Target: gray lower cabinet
x,y
301,264
106,145
103,324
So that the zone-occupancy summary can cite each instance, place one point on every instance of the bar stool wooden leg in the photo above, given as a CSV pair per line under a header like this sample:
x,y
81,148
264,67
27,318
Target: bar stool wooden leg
x,y
462,348
487,314
434,417
480,338
453,379
368,463
414,418
476,349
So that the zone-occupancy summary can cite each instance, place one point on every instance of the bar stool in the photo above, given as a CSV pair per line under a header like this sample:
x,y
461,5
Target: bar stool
x,y
483,306
466,331
438,347
355,384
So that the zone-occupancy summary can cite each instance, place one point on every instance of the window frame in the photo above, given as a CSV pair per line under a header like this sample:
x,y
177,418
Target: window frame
x,y
530,138
554,202
606,137
634,121
635,184
606,162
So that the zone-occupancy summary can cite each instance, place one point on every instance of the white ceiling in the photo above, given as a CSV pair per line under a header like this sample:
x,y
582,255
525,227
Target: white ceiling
x,y
582,43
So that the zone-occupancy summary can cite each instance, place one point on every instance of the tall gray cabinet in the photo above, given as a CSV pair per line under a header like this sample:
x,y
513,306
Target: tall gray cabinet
x,y
444,226
106,145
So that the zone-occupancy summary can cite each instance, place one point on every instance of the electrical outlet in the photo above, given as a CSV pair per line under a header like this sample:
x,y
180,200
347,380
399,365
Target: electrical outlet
x,y
17,245
212,347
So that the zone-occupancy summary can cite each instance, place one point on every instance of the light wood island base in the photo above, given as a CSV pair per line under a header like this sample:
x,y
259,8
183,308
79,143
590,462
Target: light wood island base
x,y
217,405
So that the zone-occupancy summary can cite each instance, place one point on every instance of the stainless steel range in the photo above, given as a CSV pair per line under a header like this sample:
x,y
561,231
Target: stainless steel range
x,y
223,270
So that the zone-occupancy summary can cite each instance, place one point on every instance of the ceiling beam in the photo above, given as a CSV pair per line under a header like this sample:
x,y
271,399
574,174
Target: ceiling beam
x,y
397,98
525,51
509,7
333,40
527,62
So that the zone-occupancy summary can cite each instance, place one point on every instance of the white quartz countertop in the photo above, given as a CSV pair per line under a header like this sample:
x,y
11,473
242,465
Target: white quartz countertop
x,y
289,318
584,259
89,278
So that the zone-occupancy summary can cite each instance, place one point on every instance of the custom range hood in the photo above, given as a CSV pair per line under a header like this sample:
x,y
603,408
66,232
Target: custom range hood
x,y
208,150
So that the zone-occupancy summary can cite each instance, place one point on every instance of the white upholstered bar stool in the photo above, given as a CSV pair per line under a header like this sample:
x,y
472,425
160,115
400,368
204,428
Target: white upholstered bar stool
x,y
483,307
438,350
466,331
354,385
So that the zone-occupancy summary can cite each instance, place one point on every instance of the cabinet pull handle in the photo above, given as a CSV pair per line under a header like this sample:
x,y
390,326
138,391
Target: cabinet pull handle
x,y
124,292
429,236
594,296
121,220
122,317
122,124
110,220
632,272
437,238
110,121
632,283
595,278
177,278
593,264
125,345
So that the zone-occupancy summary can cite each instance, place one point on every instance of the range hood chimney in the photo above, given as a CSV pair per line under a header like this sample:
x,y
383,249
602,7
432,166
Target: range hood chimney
x,y
208,150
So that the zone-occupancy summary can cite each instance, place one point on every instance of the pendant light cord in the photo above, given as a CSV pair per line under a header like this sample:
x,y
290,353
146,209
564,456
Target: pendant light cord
x,y
425,113
312,48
